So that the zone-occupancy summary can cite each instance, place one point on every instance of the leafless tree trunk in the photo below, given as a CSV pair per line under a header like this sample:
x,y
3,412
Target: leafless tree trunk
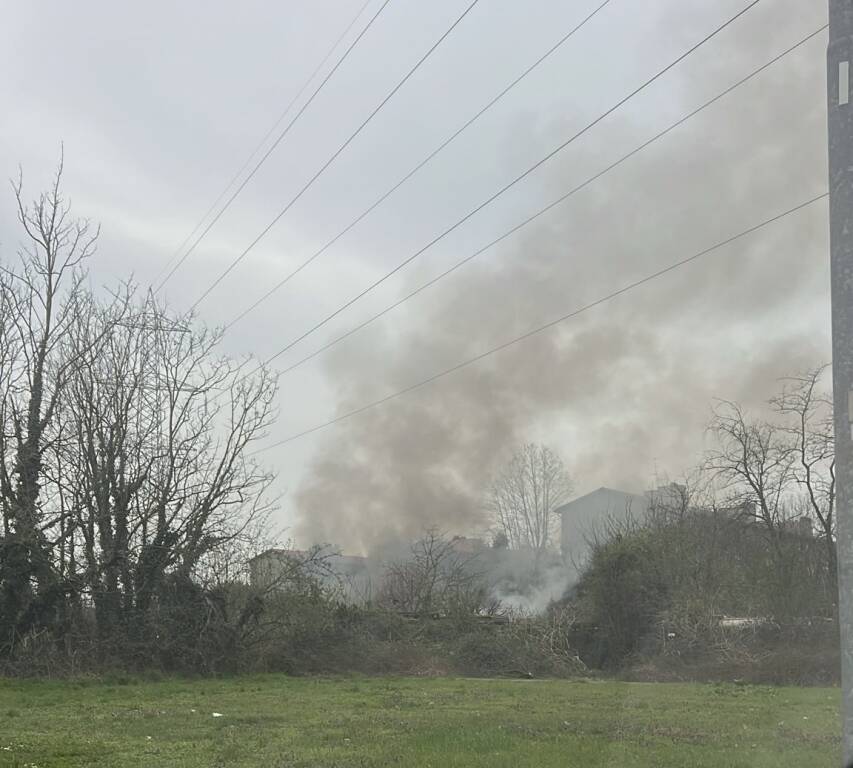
x,y
435,578
754,463
41,301
808,413
125,445
526,494
162,428
774,470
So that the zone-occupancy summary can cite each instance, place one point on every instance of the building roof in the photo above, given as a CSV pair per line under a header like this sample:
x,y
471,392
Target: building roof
x,y
299,553
275,552
603,491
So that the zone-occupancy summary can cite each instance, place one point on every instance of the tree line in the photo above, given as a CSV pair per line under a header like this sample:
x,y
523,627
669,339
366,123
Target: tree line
x,y
733,571
131,502
124,469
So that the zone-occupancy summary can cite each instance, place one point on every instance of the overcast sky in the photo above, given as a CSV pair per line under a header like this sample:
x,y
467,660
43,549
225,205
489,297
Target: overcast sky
x,y
158,104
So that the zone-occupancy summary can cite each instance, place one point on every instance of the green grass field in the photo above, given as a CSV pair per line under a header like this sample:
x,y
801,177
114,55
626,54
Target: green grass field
x,y
280,721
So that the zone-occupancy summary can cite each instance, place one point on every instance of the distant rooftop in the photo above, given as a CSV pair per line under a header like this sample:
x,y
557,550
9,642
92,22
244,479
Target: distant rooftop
x,y
301,553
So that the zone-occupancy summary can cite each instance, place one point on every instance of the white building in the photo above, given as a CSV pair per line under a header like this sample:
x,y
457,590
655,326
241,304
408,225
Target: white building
x,y
582,518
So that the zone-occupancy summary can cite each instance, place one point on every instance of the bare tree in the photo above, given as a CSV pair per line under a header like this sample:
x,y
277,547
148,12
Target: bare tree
x,y
808,423
754,465
125,449
777,472
161,478
42,298
435,578
525,495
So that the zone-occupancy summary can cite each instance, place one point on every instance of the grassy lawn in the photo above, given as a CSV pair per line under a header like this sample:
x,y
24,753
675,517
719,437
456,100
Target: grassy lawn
x,y
280,721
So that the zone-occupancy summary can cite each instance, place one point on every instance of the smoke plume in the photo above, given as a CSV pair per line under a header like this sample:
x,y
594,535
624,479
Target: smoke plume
x,y
625,387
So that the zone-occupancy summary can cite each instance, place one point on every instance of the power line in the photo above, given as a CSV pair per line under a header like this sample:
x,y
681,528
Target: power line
x,y
512,183
278,140
418,167
263,140
334,155
563,198
539,329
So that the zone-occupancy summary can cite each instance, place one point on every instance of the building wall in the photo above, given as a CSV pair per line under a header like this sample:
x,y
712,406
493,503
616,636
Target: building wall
x,y
269,567
582,517
349,573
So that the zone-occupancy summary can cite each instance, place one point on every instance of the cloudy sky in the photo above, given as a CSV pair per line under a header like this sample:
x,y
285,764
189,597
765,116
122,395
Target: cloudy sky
x,y
159,104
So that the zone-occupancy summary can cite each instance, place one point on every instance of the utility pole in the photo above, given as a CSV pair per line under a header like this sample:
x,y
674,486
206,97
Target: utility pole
x,y
840,118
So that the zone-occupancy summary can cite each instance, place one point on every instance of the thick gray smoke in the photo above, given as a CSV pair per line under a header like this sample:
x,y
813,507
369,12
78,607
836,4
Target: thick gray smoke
x,y
627,386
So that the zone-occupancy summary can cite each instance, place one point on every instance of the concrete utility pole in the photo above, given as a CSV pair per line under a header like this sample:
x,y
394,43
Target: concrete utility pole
x,y
839,57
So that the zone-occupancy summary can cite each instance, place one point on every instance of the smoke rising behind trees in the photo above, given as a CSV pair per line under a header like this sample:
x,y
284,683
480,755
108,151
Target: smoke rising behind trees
x,y
757,148
626,387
